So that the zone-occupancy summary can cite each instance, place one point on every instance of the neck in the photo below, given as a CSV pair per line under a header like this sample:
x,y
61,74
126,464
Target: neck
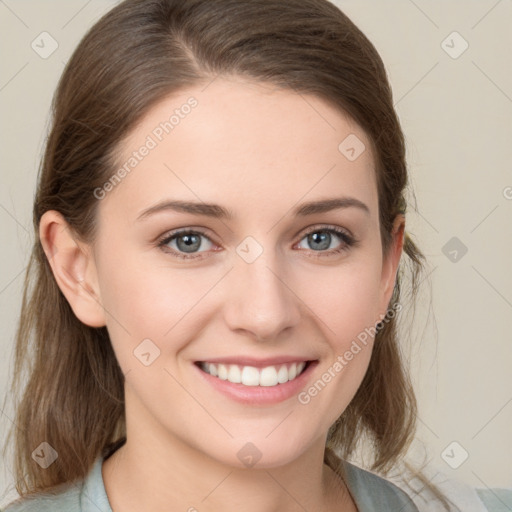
x,y
146,475
159,470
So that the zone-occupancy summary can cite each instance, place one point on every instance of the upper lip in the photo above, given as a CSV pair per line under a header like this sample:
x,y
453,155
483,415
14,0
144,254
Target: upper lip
x,y
257,362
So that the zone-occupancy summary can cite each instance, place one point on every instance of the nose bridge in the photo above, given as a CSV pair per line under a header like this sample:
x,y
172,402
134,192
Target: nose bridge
x,y
259,298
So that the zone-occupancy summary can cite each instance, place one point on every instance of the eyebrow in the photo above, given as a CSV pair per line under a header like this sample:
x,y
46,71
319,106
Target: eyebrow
x,y
219,212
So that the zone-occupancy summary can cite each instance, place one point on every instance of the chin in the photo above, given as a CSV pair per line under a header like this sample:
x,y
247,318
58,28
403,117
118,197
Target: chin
x,y
262,453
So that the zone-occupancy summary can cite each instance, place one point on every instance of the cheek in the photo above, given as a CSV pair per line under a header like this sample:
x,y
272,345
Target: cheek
x,y
170,306
163,302
346,300
347,303
150,302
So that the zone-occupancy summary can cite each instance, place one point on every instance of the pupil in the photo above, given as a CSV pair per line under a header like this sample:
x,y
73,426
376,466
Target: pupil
x,y
191,243
323,239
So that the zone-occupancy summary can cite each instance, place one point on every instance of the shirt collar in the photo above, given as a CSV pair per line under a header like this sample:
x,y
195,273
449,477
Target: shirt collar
x,y
93,496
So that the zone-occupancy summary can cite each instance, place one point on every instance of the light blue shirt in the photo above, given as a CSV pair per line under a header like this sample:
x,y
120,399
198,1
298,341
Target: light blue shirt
x,y
371,493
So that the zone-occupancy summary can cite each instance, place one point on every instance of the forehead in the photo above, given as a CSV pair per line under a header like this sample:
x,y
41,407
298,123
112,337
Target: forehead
x,y
252,143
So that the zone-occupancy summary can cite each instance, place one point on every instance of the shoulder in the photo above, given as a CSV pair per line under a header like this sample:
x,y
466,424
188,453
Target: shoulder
x,y
86,495
65,498
371,492
496,500
458,495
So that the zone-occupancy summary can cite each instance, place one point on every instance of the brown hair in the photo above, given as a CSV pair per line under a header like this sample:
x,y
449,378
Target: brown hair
x,y
133,57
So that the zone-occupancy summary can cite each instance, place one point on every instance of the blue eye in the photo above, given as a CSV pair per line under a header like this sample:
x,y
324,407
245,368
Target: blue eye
x,y
320,239
190,244
187,243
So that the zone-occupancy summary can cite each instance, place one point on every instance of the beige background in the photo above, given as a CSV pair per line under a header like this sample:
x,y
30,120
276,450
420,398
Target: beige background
x,y
457,117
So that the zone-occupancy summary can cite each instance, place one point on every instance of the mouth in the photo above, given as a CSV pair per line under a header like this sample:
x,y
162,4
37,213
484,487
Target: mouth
x,y
259,383
252,376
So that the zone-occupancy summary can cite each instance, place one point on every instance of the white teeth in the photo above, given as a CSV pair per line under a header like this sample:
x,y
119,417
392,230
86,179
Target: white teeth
x,y
212,369
234,374
222,371
282,375
268,376
252,376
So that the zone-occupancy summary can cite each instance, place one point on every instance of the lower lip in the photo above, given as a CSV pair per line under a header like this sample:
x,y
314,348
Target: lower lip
x,y
259,395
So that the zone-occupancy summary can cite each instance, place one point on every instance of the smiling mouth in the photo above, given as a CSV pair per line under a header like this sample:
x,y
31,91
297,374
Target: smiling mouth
x,y
271,375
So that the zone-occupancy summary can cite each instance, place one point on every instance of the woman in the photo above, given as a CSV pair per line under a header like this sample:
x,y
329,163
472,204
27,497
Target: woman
x,y
220,220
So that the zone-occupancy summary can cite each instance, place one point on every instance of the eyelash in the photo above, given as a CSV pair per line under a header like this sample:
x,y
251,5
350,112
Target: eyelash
x,y
347,241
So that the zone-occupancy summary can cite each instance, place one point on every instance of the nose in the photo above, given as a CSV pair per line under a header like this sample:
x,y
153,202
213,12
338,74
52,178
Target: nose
x,y
260,299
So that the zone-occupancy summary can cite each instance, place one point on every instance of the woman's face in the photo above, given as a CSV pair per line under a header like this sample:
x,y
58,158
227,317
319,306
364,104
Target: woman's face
x,y
263,280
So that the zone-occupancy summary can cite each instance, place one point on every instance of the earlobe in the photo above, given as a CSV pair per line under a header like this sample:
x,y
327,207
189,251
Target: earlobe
x,y
73,267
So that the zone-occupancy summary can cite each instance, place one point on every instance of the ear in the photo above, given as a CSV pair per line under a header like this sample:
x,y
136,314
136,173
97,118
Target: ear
x,y
73,267
391,261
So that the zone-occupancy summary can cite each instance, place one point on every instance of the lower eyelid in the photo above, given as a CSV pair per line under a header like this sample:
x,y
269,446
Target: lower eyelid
x,y
346,242
173,236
